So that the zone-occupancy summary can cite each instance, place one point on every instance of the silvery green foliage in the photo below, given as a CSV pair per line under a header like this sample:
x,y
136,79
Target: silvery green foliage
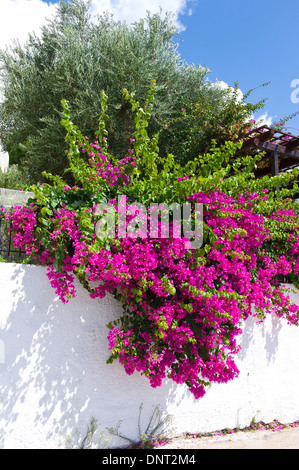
x,y
74,59
88,441
157,431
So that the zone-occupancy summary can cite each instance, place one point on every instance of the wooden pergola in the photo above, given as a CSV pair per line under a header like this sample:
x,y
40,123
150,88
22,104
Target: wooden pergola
x,y
281,150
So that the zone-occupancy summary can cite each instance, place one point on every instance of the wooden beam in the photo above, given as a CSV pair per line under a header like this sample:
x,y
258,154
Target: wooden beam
x,y
287,163
274,166
262,136
292,144
266,135
247,144
276,148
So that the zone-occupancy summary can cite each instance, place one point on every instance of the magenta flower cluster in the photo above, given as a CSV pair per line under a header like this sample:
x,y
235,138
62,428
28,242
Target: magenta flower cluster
x,y
183,308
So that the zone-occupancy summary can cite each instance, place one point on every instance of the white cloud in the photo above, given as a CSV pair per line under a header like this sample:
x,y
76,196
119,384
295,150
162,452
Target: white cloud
x,y
18,18
264,120
133,10
225,86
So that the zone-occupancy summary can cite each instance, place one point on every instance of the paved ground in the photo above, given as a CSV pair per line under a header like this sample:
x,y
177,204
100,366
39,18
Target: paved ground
x,y
285,439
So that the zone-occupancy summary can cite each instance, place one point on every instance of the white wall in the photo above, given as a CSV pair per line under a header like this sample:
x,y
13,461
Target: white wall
x,y
4,160
13,197
54,376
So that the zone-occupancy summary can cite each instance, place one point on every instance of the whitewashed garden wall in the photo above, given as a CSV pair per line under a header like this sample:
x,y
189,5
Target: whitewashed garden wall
x,y
4,160
54,377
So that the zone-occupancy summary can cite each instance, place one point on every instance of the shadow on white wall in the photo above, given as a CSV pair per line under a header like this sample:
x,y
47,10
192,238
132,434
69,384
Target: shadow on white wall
x,y
54,378
4,160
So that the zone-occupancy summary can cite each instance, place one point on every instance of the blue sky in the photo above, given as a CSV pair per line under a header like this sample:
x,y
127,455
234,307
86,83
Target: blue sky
x,y
245,42
251,43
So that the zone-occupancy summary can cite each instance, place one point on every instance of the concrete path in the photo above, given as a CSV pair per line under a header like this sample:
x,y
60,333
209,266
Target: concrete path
x,y
285,439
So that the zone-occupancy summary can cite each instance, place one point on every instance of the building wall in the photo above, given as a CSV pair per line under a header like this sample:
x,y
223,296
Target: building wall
x,y
54,377
4,160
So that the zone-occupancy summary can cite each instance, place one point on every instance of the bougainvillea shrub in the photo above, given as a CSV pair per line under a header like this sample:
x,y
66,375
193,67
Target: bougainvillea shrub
x,y
183,307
